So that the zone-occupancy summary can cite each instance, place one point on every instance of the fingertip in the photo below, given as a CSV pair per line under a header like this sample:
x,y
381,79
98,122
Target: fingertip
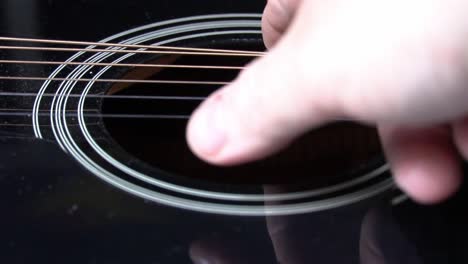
x,y
216,132
205,134
424,162
239,123
265,108
429,184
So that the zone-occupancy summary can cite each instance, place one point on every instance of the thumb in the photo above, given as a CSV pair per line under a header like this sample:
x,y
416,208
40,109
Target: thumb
x,y
261,111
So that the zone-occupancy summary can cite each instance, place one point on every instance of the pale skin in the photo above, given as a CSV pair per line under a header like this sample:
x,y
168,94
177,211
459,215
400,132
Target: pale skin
x,y
399,65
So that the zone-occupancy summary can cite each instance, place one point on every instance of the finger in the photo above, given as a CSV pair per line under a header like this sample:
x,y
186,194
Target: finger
x,y
424,162
460,134
263,110
276,19
329,62
255,116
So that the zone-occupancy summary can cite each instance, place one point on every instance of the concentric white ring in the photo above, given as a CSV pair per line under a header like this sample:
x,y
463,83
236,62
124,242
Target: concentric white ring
x,y
183,29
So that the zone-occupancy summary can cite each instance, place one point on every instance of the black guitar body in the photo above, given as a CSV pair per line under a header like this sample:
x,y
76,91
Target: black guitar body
x,y
97,171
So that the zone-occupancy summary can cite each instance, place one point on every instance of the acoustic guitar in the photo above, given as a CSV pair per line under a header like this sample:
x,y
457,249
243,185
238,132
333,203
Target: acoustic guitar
x,y
94,168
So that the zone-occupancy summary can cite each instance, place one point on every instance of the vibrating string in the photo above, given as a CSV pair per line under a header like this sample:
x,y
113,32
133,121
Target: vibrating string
x,y
17,112
114,48
119,48
111,96
154,52
29,78
43,112
119,116
102,44
186,51
74,63
90,115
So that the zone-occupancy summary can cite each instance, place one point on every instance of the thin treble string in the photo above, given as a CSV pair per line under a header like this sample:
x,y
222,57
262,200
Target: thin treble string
x,y
118,116
123,64
111,96
45,125
20,110
17,112
18,125
128,51
124,116
86,43
32,78
31,125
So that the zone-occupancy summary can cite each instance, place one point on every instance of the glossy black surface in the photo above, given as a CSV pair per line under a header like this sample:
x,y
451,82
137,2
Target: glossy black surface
x,y
54,211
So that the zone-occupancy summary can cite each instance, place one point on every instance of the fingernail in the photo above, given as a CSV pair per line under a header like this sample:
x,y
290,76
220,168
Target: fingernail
x,y
207,133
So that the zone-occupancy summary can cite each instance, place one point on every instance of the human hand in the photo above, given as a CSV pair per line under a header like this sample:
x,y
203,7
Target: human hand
x,y
399,65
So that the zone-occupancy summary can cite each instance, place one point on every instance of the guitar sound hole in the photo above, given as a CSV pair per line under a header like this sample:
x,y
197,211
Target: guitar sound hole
x,y
327,156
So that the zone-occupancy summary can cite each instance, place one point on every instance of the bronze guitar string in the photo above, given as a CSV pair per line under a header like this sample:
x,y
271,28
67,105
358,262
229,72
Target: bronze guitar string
x,y
106,44
154,50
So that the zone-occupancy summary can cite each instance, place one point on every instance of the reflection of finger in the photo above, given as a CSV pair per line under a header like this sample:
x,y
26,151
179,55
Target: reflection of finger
x,y
424,161
460,133
370,252
289,234
276,18
205,252
209,251
221,251
382,241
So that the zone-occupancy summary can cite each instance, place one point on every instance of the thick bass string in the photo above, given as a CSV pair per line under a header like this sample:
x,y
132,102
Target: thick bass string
x,y
84,43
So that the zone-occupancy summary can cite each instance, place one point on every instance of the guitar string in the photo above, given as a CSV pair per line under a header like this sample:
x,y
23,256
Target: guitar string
x,y
34,78
31,125
117,116
110,96
121,64
206,67
127,116
20,125
87,43
20,110
99,96
124,116
28,113
154,50
17,112
158,52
